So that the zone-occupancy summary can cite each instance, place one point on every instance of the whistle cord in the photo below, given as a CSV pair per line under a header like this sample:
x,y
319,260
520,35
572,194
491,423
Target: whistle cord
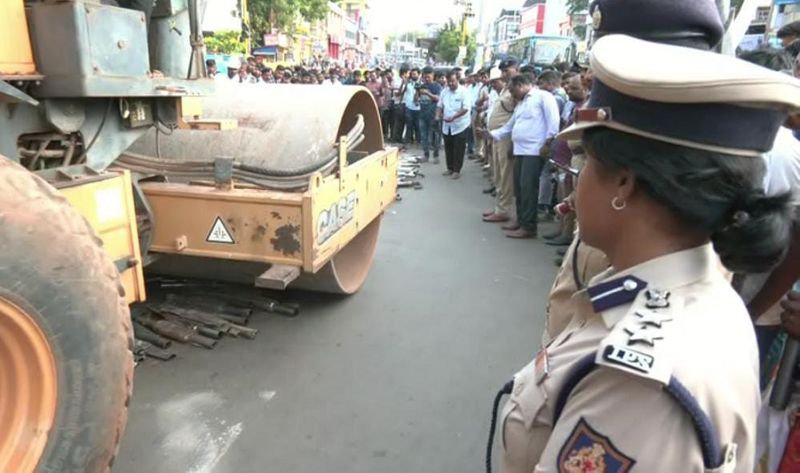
x,y
509,386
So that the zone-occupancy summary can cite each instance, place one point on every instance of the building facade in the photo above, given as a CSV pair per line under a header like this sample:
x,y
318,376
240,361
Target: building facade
x,y
343,35
222,15
543,17
506,26
359,45
335,28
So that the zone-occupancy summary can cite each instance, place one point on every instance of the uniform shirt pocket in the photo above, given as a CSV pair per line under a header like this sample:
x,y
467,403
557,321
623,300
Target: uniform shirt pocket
x,y
524,426
528,398
532,400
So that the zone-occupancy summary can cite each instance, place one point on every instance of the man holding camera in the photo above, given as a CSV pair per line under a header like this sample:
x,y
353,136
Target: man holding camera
x,y
428,97
411,103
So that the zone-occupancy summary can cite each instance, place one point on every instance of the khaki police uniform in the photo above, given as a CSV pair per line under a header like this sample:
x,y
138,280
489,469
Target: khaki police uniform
x,y
621,414
501,161
581,265
656,369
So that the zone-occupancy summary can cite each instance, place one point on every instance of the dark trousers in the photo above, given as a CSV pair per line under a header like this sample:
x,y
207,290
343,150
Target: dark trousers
x,y
765,335
386,122
428,132
412,126
527,170
454,148
437,137
398,122
470,141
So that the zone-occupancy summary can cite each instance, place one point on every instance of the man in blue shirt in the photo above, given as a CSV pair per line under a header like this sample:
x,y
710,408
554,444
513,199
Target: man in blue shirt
x,y
532,127
428,95
411,102
453,109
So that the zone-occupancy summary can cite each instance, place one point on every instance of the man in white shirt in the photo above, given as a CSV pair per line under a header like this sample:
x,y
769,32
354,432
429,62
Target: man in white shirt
x,y
783,166
532,127
454,110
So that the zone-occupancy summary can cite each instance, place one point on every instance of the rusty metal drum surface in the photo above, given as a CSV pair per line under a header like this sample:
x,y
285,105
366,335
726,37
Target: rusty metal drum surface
x,y
282,128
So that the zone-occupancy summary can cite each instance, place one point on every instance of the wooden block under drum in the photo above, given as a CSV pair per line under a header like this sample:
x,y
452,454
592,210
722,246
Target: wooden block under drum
x,y
278,277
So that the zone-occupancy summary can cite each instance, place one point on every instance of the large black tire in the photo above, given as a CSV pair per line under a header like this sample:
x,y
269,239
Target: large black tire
x,y
52,265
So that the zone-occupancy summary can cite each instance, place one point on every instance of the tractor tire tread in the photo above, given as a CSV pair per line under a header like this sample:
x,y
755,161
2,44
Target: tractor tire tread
x,y
23,191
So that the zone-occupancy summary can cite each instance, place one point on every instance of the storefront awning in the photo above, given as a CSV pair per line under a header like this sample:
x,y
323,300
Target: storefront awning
x,y
266,51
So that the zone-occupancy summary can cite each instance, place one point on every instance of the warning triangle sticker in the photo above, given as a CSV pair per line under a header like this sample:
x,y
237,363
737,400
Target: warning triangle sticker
x,y
219,233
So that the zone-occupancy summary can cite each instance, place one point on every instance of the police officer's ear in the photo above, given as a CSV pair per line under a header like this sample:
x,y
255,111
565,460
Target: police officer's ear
x,y
618,182
625,183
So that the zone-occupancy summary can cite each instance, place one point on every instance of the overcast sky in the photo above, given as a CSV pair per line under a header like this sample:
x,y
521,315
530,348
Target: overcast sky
x,y
393,16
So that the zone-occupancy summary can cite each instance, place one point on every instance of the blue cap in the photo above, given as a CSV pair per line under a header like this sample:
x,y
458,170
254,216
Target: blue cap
x,y
509,61
662,21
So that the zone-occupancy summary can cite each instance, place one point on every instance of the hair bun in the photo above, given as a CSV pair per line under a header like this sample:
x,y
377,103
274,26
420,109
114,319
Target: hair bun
x,y
756,238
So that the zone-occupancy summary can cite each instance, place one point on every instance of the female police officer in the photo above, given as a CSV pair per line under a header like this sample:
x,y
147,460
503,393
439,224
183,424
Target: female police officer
x,y
657,371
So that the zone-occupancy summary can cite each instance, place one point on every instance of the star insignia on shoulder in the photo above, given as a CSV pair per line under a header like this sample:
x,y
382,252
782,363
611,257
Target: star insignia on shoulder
x,y
643,335
648,317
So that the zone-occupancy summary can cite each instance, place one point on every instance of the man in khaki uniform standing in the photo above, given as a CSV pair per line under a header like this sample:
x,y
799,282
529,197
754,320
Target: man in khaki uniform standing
x,y
502,157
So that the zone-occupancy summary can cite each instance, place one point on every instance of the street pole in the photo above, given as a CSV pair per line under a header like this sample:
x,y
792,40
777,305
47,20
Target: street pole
x,y
736,28
246,24
468,13
481,39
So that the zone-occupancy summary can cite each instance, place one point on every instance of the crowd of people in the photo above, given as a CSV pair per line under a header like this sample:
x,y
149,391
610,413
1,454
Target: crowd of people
x,y
256,71
504,118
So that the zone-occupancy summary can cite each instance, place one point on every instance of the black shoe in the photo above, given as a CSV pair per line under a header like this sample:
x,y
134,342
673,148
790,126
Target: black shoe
x,y
552,236
489,190
561,252
561,241
559,262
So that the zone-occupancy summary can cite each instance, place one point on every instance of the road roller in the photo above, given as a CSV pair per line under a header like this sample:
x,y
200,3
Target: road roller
x,y
119,157
291,197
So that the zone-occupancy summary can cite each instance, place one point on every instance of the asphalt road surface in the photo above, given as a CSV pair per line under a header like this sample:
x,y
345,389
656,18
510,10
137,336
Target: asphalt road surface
x,y
398,378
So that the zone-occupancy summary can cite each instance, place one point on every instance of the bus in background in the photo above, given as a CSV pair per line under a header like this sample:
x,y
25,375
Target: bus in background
x,y
754,38
538,50
760,34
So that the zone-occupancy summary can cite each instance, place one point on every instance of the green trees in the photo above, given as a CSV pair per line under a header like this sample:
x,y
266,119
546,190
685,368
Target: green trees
x,y
225,42
577,6
448,42
266,15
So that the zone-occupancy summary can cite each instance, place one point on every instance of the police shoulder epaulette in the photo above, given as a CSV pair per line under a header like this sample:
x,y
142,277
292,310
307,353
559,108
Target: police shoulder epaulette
x,y
642,344
642,341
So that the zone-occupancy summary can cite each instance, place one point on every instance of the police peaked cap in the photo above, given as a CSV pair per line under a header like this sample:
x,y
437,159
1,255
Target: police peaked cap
x,y
658,20
509,61
687,97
